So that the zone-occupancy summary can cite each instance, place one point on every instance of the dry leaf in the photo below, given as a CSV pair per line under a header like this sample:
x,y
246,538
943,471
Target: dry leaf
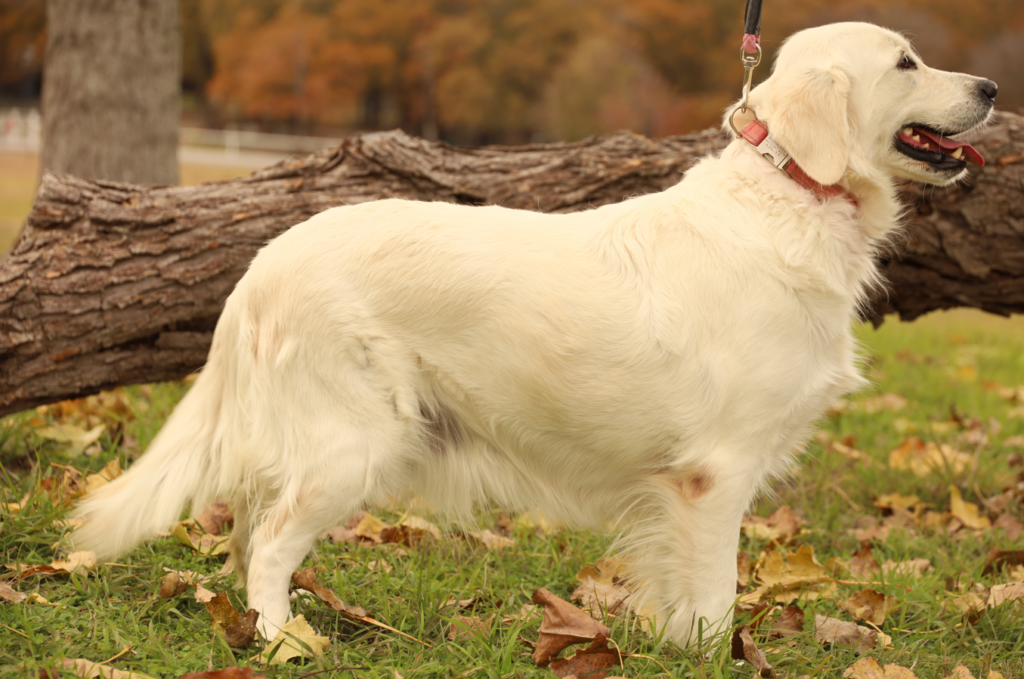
x,y
466,628
101,478
172,584
295,640
798,575
563,625
789,623
242,633
78,439
863,563
780,527
204,544
10,595
849,452
998,559
379,564
601,590
492,540
216,517
417,529
914,567
891,402
191,579
526,612
340,534
370,528
922,458
1002,593
895,502
744,648
592,662
76,562
306,579
868,668
226,673
833,631
88,669
870,606
972,603
966,512
1009,523
960,672
599,599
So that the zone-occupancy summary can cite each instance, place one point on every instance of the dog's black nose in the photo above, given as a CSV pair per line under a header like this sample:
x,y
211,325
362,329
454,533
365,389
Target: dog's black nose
x,y
989,88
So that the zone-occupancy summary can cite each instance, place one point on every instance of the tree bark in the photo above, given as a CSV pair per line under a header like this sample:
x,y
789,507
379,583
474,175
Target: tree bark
x,y
112,90
115,284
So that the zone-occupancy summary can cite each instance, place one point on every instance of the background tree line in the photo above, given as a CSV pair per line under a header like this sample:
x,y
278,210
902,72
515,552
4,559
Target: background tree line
x,y
505,71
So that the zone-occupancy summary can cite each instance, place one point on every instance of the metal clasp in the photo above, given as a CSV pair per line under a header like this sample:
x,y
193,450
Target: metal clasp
x,y
750,62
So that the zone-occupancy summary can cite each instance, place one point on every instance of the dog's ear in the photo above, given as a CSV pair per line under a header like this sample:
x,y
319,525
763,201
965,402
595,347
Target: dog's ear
x,y
809,117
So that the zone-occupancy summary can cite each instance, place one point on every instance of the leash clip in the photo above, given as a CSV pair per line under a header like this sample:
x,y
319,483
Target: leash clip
x,y
750,62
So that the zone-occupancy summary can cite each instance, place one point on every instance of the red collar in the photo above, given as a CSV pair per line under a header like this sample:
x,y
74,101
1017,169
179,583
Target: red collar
x,y
756,133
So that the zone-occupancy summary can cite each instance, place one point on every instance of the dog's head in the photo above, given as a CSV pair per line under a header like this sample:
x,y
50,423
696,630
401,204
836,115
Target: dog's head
x,y
853,96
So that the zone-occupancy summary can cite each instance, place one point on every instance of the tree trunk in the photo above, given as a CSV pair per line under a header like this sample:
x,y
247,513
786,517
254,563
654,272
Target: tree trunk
x,y
115,284
112,90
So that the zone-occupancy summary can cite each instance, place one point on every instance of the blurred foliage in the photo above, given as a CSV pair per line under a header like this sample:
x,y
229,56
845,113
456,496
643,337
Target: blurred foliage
x,y
509,71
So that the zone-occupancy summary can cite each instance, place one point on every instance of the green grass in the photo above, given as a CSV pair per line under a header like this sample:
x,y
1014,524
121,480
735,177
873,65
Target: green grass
x,y
943,363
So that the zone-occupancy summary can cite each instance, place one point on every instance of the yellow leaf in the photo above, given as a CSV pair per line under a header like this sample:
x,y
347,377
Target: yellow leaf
x,y
78,439
295,640
88,669
104,476
370,528
870,606
922,458
967,512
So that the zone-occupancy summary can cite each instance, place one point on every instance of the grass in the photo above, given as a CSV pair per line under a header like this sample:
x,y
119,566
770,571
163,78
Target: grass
x,y
941,364
19,173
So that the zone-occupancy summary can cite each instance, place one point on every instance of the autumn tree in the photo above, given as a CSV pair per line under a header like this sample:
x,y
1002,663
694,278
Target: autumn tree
x,y
111,91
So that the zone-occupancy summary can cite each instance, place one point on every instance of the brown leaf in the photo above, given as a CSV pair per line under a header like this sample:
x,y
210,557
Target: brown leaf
x,y
465,628
870,606
744,648
890,402
526,612
833,631
785,579
922,458
563,625
226,673
10,595
863,563
306,579
789,623
172,584
370,528
216,517
999,559
242,633
592,662
222,613
892,503
1011,525
600,590
868,668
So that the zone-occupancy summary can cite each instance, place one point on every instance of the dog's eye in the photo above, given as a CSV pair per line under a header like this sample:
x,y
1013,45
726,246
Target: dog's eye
x,y
906,63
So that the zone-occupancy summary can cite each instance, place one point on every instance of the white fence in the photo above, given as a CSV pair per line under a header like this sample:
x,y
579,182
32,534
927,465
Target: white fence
x,y
22,131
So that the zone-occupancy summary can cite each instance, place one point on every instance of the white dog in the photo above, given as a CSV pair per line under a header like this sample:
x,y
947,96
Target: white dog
x,y
647,365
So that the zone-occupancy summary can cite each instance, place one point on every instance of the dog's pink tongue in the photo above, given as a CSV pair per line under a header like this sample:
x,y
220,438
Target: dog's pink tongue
x,y
970,154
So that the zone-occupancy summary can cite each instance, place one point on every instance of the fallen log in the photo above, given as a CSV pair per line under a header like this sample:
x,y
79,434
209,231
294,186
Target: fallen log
x,y
115,284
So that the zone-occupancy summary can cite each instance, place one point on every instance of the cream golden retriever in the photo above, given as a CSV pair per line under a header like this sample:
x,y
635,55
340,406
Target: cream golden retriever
x,y
646,366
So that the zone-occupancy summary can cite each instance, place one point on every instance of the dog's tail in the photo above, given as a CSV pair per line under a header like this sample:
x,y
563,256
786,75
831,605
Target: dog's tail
x,y
183,464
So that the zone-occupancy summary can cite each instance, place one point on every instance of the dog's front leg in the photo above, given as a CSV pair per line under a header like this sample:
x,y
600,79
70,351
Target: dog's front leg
x,y
684,549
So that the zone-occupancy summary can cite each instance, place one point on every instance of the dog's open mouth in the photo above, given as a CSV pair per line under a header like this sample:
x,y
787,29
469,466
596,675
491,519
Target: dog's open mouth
x,y
935,148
